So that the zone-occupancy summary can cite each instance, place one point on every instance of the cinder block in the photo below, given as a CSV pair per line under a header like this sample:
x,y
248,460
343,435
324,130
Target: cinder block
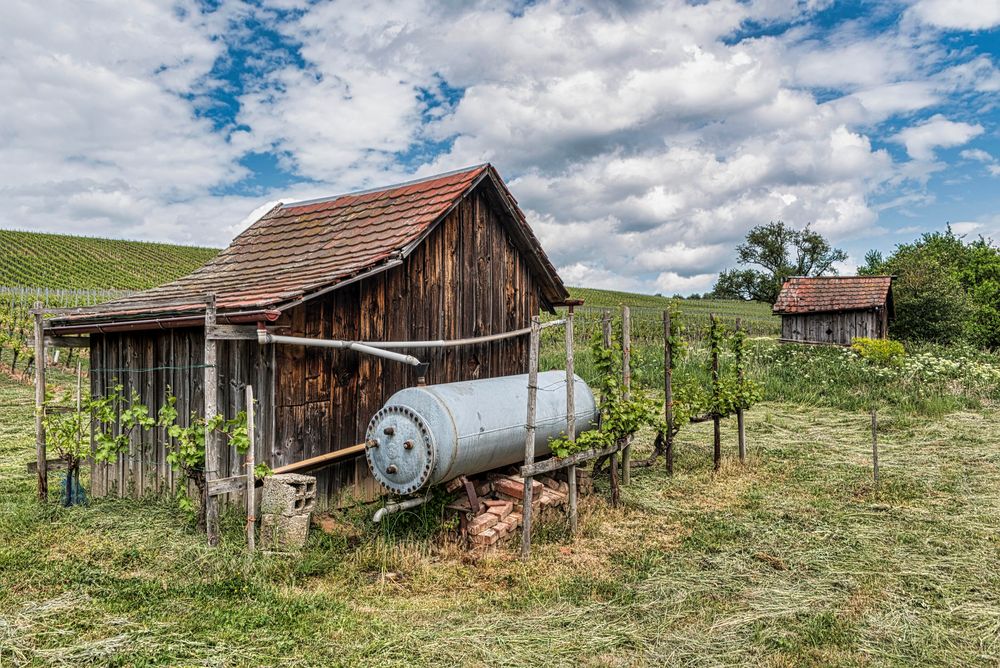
x,y
288,494
283,531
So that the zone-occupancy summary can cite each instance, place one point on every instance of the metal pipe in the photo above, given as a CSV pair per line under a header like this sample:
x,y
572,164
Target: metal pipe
x,y
449,343
398,506
264,337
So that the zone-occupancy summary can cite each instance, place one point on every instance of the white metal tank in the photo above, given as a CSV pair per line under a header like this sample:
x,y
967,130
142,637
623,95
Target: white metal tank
x,y
427,435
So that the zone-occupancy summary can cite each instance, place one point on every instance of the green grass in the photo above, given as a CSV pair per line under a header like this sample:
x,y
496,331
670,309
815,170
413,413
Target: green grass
x,y
794,559
64,261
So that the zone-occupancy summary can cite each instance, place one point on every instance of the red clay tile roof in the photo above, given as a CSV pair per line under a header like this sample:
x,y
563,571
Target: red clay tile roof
x,y
297,249
820,294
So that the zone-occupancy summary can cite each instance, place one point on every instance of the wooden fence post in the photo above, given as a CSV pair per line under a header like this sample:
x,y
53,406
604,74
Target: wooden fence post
x,y
875,445
251,478
570,416
529,434
212,458
43,471
716,427
627,383
613,457
740,427
668,411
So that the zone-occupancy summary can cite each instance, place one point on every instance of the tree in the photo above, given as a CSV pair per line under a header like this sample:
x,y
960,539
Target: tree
x,y
945,289
780,251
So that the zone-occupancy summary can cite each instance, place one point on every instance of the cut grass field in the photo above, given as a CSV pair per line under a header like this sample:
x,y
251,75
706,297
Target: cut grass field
x,y
793,559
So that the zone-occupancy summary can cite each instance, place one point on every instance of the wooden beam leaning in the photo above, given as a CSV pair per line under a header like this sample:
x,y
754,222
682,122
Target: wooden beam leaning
x,y
212,454
627,383
570,417
41,462
529,435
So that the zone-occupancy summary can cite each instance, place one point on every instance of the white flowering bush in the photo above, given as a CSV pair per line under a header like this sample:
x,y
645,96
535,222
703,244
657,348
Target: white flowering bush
x,y
930,379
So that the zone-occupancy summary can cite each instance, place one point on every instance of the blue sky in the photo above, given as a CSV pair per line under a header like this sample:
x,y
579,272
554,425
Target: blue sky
x,y
642,140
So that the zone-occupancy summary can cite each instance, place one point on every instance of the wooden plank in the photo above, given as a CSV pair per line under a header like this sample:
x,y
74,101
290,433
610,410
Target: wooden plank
x,y
40,458
570,417
63,341
231,333
740,426
556,463
230,485
212,458
50,465
668,408
529,438
627,383
250,477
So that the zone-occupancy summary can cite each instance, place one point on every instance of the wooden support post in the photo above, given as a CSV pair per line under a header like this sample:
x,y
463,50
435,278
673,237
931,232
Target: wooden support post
x,y
668,410
529,434
212,454
43,472
570,416
251,477
716,427
875,445
739,411
627,383
613,458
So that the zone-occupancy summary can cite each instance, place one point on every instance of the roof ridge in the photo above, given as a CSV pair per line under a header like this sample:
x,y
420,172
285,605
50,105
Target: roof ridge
x,y
393,186
838,276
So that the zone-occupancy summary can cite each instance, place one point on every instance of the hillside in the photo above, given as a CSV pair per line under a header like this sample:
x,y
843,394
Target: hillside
x,y
755,316
39,260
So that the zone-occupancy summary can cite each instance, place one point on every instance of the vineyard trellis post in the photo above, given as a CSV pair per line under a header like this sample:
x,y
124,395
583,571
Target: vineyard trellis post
x,y
570,416
251,472
529,435
716,419
212,459
668,410
613,457
627,383
740,427
43,471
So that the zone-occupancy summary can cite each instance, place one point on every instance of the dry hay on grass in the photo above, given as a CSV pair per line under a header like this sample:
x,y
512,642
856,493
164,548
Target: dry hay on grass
x,y
795,558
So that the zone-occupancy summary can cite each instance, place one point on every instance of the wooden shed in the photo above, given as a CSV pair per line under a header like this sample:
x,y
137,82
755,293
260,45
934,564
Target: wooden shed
x,y
445,257
834,309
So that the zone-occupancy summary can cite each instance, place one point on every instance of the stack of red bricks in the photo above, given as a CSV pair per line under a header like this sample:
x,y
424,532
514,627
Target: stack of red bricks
x,y
502,510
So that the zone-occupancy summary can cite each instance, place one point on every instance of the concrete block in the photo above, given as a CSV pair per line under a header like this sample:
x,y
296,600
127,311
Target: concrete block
x,y
283,531
288,494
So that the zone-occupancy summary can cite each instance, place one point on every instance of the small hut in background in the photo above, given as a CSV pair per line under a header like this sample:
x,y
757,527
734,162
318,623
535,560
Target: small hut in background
x,y
443,258
834,309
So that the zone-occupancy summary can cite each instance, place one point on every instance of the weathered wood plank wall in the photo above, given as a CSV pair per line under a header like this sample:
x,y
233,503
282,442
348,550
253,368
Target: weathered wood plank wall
x,y
150,363
836,328
467,278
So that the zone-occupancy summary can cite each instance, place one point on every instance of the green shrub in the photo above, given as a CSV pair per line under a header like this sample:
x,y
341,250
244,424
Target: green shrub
x,y
881,352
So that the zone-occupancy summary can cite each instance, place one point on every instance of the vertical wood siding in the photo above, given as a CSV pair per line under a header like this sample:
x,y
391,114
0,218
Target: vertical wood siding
x,y
835,328
465,279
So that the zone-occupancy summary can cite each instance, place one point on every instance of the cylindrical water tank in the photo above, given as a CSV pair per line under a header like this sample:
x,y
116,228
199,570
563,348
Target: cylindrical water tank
x,y
427,435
